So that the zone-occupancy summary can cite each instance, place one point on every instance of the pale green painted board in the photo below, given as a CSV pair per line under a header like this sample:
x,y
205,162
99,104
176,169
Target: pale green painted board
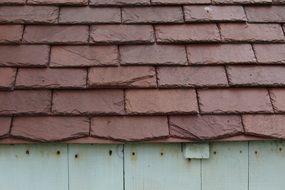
x,y
147,167
41,169
97,167
160,167
267,166
227,168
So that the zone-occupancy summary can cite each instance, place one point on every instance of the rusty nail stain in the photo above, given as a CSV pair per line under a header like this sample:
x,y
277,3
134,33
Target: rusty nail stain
x,y
58,152
27,152
76,156
110,152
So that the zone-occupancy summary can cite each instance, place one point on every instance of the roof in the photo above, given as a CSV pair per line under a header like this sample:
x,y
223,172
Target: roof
x,y
110,71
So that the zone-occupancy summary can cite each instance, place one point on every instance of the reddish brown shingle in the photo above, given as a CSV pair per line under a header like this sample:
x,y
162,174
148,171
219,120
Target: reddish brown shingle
x,y
220,54
58,2
234,101
12,2
122,77
122,34
205,13
205,127
5,123
10,33
24,55
7,77
51,78
278,99
129,128
242,1
25,101
257,75
270,53
153,55
192,76
252,32
81,15
265,125
50,128
28,14
187,33
119,2
56,34
83,56
161,101
152,15
265,13
177,2
88,102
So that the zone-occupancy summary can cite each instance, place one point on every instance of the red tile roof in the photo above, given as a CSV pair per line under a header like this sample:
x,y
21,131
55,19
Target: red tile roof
x,y
111,71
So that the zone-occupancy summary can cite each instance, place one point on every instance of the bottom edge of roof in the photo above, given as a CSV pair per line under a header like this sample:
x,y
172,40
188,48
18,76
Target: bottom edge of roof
x,y
96,140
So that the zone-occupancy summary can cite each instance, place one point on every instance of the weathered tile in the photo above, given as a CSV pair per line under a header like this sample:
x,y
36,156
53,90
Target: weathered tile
x,y
10,33
161,101
265,125
56,34
256,75
234,101
122,77
81,15
82,56
88,102
153,55
28,14
122,34
51,78
24,55
192,76
220,54
130,128
187,33
152,15
206,13
25,102
205,127
47,129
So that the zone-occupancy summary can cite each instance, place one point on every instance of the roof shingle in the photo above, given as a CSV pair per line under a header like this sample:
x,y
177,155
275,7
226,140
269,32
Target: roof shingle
x,y
110,71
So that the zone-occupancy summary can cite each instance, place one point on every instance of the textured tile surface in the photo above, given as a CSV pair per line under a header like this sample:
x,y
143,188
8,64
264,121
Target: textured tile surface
x,y
139,70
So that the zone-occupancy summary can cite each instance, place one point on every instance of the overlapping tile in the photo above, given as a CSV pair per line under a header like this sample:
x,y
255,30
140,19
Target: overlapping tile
x,y
113,71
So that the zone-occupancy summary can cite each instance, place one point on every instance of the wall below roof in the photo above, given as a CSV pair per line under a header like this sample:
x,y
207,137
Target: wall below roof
x,y
231,166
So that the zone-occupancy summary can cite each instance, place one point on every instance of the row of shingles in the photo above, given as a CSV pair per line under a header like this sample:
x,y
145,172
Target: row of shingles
x,y
137,2
205,127
142,102
154,14
143,76
136,33
72,15
142,55
121,128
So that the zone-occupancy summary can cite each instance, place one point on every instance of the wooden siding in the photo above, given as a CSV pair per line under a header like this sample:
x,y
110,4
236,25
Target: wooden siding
x,y
234,166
